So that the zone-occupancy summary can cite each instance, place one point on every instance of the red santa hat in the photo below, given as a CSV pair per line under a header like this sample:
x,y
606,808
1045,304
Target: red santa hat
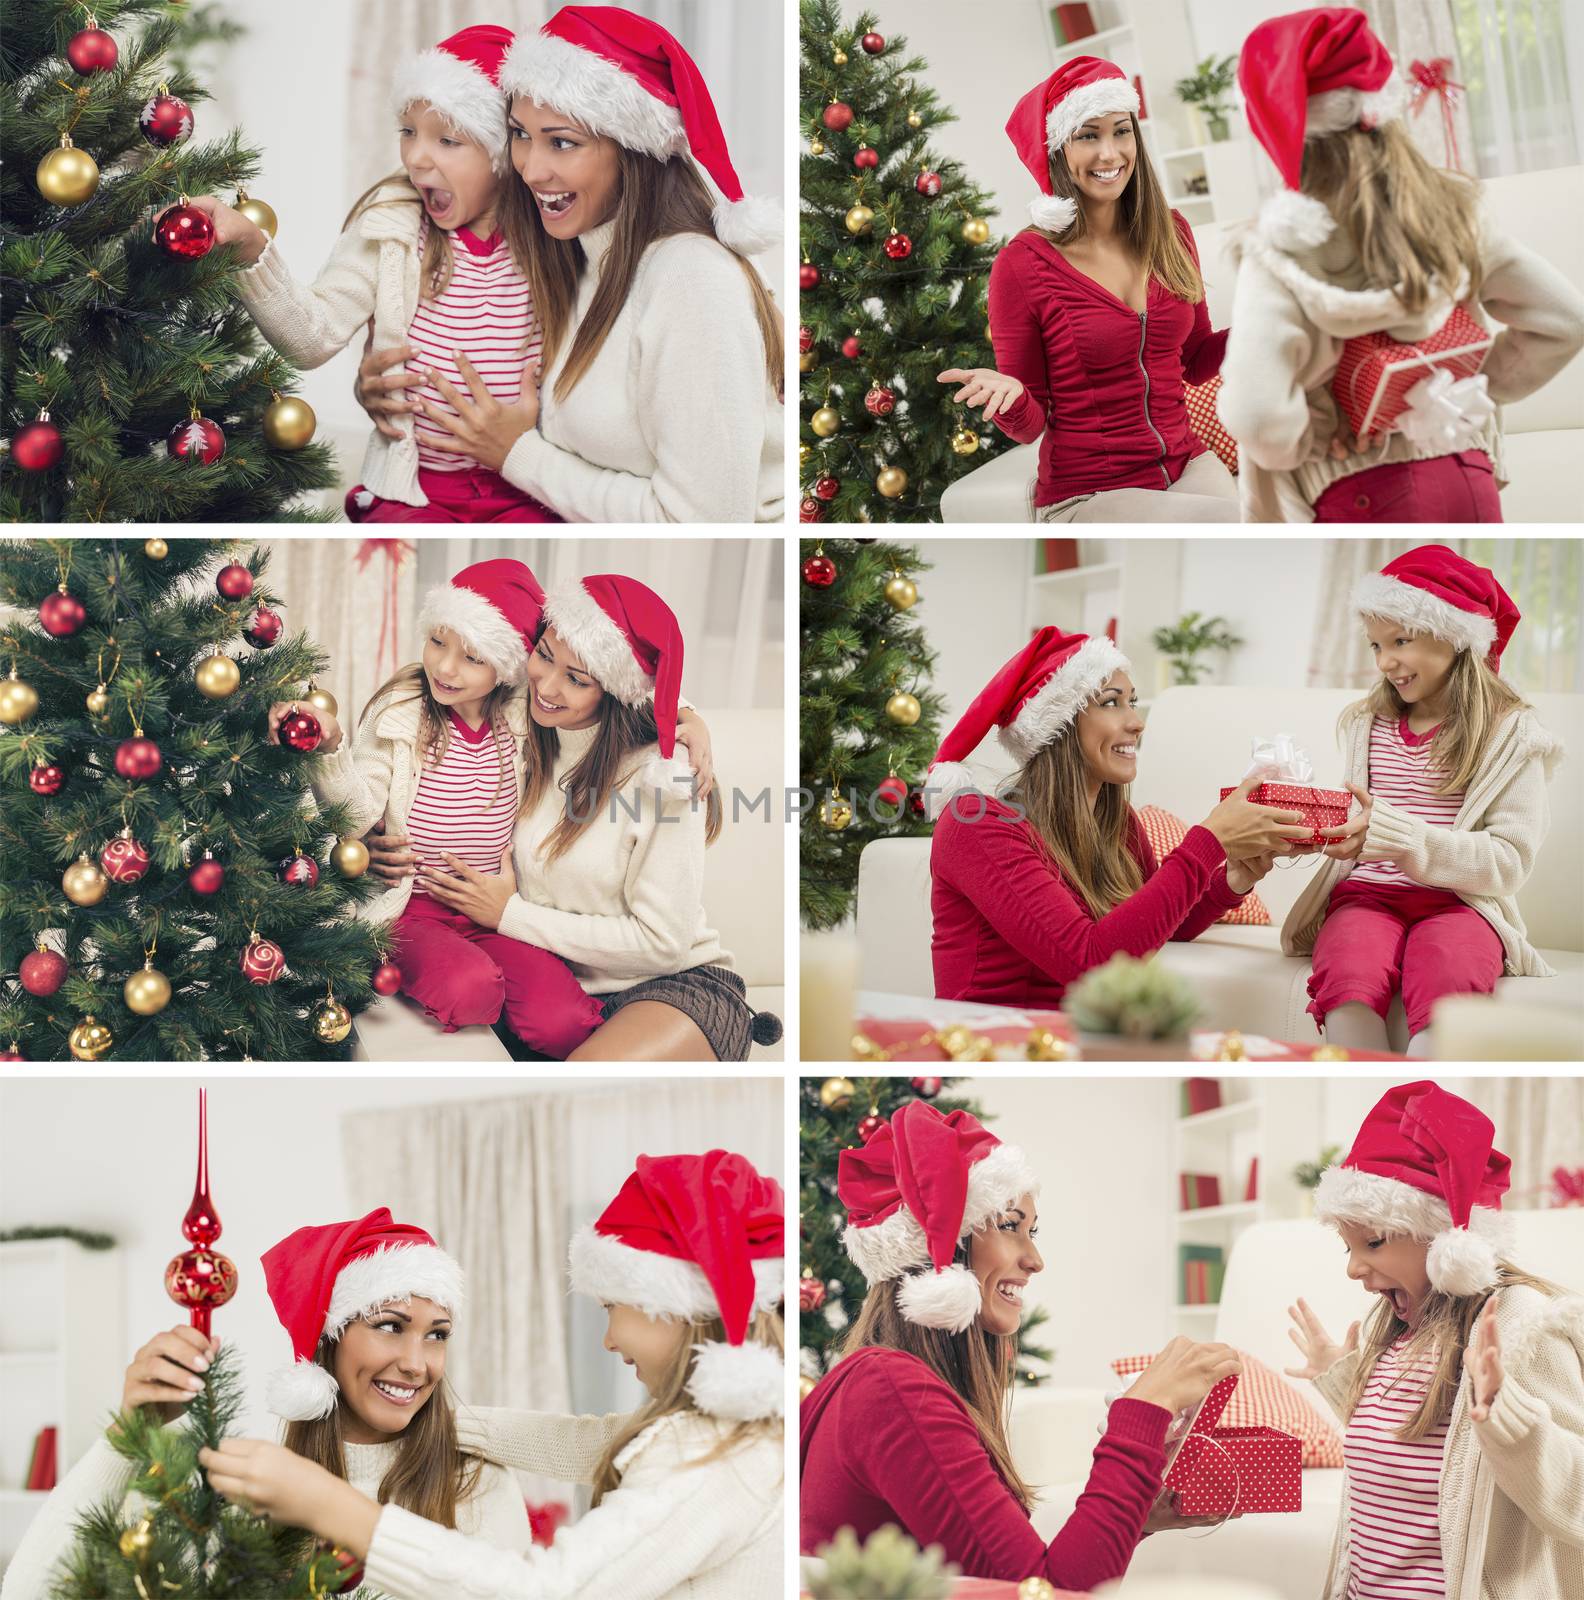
x,y
1303,76
1031,701
921,1183
1423,1167
1052,112
693,1237
628,638
1436,591
460,78
625,78
496,607
320,1279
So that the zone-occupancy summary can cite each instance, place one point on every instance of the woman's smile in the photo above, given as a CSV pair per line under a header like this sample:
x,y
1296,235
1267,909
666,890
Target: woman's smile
x,y
397,1394
555,202
548,707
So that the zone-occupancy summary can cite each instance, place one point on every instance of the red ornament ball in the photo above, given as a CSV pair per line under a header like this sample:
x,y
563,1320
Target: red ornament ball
x,y
893,791
201,1278
387,978
864,158
43,972
61,615
826,488
928,183
926,1088
805,339
38,446
869,1126
300,731
819,572
264,628
165,120
124,860
92,50
198,439
235,582
300,871
837,115
184,231
46,779
138,758
206,876
880,401
12,1054
916,804
874,43
811,1294
262,960
808,278
809,509
852,347
898,246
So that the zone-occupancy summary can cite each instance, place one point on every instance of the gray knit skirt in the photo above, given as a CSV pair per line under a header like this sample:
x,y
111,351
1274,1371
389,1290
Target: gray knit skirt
x,y
716,999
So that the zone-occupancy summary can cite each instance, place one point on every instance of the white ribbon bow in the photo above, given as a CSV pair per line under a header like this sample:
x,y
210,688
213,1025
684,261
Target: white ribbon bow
x,y
1446,414
1280,758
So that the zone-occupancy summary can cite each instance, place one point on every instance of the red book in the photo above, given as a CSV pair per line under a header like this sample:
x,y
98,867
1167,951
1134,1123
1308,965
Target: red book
x,y
1251,1190
1217,1471
1375,373
1204,1094
41,1472
1200,1189
1061,555
1075,21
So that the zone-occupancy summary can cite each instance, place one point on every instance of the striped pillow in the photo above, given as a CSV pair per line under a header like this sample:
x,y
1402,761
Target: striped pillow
x,y
1165,832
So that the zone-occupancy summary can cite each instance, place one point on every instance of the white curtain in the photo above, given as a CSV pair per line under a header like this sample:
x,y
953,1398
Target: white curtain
x,y
1338,652
1424,31
1525,106
1539,1126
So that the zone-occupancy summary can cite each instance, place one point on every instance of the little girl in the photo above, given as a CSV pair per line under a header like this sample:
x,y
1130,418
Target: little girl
x,y
1464,1404
688,1263
1450,769
1367,238
423,255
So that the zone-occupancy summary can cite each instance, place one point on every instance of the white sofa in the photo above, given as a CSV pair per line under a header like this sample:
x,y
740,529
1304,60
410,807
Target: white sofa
x,y
744,875
1197,740
1272,1264
1543,432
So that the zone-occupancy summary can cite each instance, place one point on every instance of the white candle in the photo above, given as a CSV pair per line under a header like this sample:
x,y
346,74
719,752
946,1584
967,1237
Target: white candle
x,y
827,996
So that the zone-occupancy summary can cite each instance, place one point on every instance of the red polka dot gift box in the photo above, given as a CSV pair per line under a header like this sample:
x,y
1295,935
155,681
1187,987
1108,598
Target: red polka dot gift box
x,y
1223,1471
1375,373
1322,808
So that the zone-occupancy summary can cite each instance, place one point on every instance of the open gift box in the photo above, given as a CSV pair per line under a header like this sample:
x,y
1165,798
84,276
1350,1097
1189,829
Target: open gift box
x,y
1221,1472
1322,808
1375,372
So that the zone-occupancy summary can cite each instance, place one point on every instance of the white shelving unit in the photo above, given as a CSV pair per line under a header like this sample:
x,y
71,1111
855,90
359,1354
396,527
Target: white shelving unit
x,y
62,1351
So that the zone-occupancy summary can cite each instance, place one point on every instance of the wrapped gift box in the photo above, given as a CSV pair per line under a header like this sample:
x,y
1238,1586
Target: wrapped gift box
x,y
1322,808
1375,373
1221,1471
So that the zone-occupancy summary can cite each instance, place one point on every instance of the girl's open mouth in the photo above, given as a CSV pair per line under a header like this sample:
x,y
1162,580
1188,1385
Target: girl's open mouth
x,y
444,688
1401,1303
555,203
439,203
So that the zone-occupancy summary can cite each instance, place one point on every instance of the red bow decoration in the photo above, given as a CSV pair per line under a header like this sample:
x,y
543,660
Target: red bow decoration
x,y
1568,1187
396,552
1430,78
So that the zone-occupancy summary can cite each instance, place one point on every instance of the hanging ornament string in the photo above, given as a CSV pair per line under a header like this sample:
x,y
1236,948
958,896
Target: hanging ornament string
x,y
395,552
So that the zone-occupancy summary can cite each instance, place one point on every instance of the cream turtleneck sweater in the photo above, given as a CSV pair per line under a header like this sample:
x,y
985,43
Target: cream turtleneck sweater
x,y
675,420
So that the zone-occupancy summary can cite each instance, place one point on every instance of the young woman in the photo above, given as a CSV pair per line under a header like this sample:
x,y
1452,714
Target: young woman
x,y
1367,238
1450,769
910,1426
688,1262
1032,889
1097,315
370,1306
649,315
1464,1401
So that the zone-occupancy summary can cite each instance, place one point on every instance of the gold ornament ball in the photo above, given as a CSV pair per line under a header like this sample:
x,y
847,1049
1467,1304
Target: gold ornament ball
x,y
332,1022
839,57
816,147
146,992
67,176
320,700
914,120
892,482
1232,1047
903,709
218,677
19,700
155,549
807,360
1043,1045
84,884
976,231
89,1040
288,423
259,214
1036,1589
805,1385
859,219
964,442
824,422
863,1048
836,813
1330,1052
135,1544
350,858
836,1093
98,702
804,452
901,592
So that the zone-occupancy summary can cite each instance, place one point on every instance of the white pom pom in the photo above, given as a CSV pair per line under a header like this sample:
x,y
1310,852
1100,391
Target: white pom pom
x,y
1052,214
948,1299
749,225
1292,221
302,1392
1460,1262
741,1382
943,783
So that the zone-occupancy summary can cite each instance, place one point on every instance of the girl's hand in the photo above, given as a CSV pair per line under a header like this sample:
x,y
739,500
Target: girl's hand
x,y
1245,829
167,1372
694,737
1484,1362
484,427
1184,1373
231,227
467,890
1319,1350
981,386
327,746
1348,840
390,859
379,390
1243,875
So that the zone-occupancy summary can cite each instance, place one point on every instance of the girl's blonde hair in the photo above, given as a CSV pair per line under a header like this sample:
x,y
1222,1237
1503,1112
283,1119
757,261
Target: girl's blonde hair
x,y
670,1396
1478,702
1415,228
434,271
434,725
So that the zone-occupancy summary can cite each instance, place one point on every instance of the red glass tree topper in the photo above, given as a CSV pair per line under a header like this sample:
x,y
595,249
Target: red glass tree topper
x,y
201,1278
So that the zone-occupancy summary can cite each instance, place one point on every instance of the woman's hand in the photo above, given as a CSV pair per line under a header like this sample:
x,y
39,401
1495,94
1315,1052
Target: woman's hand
x,y
1320,1351
275,1482
982,386
390,858
1184,1373
1164,1516
1348,840
694,737
167,1372
329,726
1484,1361
484,427
1247,830
1243,875
465,889
231,227
379,390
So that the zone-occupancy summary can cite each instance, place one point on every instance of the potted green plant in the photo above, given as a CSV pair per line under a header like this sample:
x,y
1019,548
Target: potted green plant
x,y
1307,1174
1186,640
1131,1010
1208,89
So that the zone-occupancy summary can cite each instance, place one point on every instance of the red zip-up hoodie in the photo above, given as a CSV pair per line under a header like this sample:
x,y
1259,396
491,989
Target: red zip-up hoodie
x,y
1103,383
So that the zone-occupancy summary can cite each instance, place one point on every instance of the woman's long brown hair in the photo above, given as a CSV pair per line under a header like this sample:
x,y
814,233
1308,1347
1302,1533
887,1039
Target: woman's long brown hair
x,y
434,271
656,199
434,726
1147,224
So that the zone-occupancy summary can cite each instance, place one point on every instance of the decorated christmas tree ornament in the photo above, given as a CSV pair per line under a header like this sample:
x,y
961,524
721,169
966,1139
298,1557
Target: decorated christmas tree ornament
x,y
262,960
928,184
320,699
819,571
138,758
880,401
137,1542
146,992
46,779
901,592
925,1088
299,730
184,231
964,442
852,347
810,510
197,439
825,422
299,870
38,445
838,57
67,176
14,1053
165,120
350,857
837,116
387,978
89,1040
218,677
257,212
859,219
805,338
865,159
807,360
836,813
808,276
61,614
811,1292
892,482
201,1279
914,120
916,804
91,50
207,875
83,883
816,146
289,422
155,549
234,582
124,859
873,43
892,790
98,700
836,1094
263,629
18,700
805,453
903,709
897,246
43,971
827,487
331,1021
870,1125
976,230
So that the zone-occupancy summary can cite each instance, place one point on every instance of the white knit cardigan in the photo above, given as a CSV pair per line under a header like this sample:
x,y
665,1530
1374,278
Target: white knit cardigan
x,y
1511,1510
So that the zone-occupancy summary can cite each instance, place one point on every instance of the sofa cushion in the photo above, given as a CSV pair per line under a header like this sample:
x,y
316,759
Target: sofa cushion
x,y
1165,832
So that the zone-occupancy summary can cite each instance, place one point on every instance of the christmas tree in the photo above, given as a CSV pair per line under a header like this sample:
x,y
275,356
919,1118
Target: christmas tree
x,y
896,257
867,720
162,859
180,1537
835,1114
135,387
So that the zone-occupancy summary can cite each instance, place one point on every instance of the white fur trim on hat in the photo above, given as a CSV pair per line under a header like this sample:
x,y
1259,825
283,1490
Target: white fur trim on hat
x,y
1291,221
748,226
947,1299
1376,595
461,94
1336,110
887,1249
659,1286
1053,213
589,633
302,1392
738,1382
394,1272
483,628
1052,707
1068,115
596,92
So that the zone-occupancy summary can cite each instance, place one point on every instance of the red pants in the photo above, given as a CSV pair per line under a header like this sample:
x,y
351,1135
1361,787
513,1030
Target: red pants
x,y
1377,939
477,495
1460,488
464,975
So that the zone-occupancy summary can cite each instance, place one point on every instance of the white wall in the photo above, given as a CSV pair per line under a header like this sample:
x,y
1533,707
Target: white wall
x,y
971,608
1267,590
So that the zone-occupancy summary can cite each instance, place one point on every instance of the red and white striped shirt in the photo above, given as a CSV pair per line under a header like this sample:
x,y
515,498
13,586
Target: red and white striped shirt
x,y
486,312
1394,1486
467,804
1402,771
